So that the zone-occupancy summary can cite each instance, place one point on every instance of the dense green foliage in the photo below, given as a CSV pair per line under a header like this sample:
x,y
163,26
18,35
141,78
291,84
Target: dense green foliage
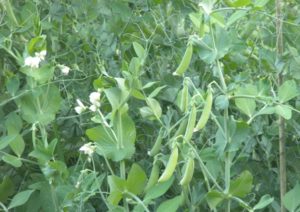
x,y
168,105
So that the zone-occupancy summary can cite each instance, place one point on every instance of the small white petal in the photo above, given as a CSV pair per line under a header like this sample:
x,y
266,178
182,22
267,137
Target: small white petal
x,y
88,149
64,69
93,108
32,62
95,98
80,103
79,109
41,54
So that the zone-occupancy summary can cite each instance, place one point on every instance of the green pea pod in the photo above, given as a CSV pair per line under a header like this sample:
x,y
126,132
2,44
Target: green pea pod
x,y
191,124
153,176
185,62
205,113
184,97
181,128
188,172
156,147
171,165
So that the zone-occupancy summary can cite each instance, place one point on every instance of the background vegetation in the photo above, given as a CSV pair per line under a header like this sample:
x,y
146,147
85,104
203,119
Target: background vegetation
x,y
157,66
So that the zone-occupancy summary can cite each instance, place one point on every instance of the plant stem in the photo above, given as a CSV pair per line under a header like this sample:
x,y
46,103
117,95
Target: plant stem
x,y
226,117
281,127
123,176
138,200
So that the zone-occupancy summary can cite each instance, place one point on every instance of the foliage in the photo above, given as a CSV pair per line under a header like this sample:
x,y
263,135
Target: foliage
x,y
101,100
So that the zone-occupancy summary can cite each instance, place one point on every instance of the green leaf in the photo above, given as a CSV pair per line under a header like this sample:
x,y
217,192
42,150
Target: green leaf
x,y
246,105
158,190
7,189
12,160
291,199
235,17
155,107
170,205
116,97
116,185
139,50
214,198
156,91
221,102
284,110
136,179
266,111
263,202
20,198
147,113
111,147
242,185
41,74
209,52
49,103
260,3
37,44
238,3
14,126
5,140
17,145
287,91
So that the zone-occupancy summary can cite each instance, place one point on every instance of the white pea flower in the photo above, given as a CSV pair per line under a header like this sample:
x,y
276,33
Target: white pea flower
x,y
93,108
88,149
32,62
41,54
80,108
64,69
95,98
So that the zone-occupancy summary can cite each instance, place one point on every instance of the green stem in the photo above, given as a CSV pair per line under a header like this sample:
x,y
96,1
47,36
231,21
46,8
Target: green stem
x,y
205,170
123,176
99,186
7,6
226,117
3,206
33,135
44,135
54,199
138,200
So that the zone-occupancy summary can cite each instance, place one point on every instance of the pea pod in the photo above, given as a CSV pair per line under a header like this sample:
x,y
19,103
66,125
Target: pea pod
x,y
171,165
191,124
153,176
185,62
206,112
184,97
181,128
188,172
156,147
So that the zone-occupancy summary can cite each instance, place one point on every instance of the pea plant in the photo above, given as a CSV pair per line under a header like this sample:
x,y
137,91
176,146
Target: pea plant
x,y
149,105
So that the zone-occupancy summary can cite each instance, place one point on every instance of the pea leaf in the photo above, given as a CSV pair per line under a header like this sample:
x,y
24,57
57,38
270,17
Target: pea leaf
x,y
49,103
12,160
284,111
214,198
155,107
246,105
139,50
263,202
7,188
170,205
20,198
287,91
136,179
119,147
242,185
291,199
158,190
